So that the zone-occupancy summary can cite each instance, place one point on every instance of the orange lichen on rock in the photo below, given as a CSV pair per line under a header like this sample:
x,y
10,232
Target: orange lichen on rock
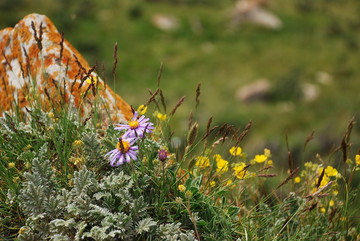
x,y
35,54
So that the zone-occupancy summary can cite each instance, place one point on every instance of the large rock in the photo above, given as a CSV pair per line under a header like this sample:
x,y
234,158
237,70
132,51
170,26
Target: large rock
x,y
254,91
251,11
35,59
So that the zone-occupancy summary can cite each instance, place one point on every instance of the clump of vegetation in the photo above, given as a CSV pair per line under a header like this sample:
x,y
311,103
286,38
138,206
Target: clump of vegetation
x,y
65,179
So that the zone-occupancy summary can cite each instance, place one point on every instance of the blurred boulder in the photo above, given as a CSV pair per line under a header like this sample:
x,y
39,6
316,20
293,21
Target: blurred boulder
x,y
324,78
165,22
34,54
252,11
310,91
254,91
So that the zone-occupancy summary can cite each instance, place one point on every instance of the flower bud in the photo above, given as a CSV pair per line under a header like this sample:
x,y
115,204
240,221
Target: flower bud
x,y
163,154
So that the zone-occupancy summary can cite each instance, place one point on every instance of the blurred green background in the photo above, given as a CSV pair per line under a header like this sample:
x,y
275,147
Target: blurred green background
x,y
309,64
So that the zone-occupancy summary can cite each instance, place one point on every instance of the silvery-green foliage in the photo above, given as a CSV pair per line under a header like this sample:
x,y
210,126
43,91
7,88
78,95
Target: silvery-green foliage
x,y
92,149
172,232
92,209
144,225
37,195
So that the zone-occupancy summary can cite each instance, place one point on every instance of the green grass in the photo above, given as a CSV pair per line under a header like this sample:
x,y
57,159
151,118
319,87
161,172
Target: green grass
x,y
315,37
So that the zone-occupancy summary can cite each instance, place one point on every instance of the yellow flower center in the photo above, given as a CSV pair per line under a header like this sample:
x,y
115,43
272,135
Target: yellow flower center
x,y
123,146
133,124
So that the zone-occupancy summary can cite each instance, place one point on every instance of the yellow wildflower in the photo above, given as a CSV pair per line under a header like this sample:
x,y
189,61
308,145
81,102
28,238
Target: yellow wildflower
x,y
260,158
23,230
27,165
308,164
267,152
160,116
78,143
142,109
222,165
270,162
311,166
357,160
230,184
169,163
78,161
11,165
181,188
331,203
325,180
335,192
331,172
188,193
202,161
297,179
235,151
16,179
322,210
217,157
239,170
212,184
28,147
51,115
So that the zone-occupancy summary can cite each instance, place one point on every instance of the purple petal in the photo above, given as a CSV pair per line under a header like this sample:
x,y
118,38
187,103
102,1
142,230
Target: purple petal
x,y
127,157
133,156
120,161
134,116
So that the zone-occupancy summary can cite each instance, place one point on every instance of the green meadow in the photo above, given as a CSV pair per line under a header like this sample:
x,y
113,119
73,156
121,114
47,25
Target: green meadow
x,y
316,38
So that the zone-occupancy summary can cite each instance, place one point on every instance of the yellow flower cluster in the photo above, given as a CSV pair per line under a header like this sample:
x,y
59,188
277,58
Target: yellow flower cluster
x,y
77,143
236,151
357,160
202,161
329,172
241,172
221,164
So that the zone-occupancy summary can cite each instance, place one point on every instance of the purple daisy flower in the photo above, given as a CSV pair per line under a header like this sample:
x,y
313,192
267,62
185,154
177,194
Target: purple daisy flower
x,y
136,127
124,152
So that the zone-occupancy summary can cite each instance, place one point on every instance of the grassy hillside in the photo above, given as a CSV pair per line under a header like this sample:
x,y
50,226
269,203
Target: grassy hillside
x,y
316,38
